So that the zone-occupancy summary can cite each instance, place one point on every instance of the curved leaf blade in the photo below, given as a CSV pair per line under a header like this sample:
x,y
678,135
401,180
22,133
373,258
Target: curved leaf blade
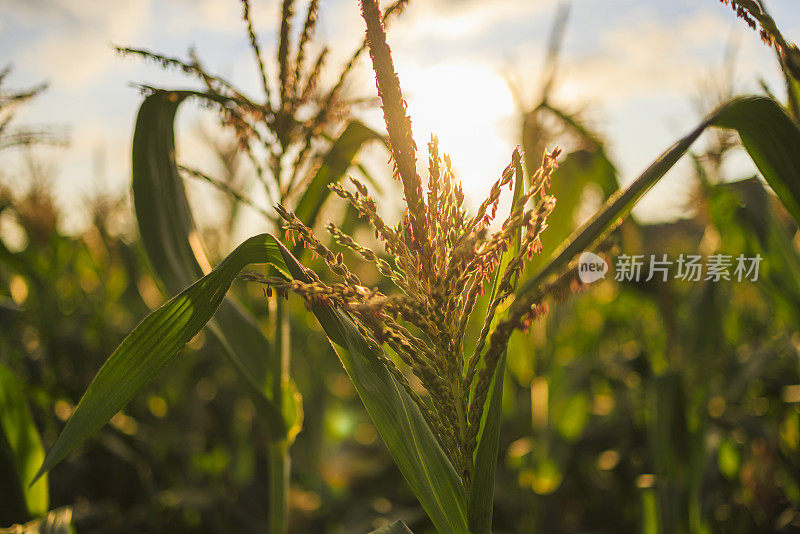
x,y
162,210
173,245
21,452
334,165
397,418
480,504
481,493
768,134
153,344
616,207
157,339
773,141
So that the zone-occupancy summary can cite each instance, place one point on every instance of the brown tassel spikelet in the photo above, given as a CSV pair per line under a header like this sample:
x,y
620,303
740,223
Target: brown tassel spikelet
x,y
757,18
284,131
437,304
440,261
398,124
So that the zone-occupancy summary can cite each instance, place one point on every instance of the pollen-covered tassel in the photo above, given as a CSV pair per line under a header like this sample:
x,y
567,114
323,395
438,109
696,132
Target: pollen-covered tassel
x,y
360,187
459,193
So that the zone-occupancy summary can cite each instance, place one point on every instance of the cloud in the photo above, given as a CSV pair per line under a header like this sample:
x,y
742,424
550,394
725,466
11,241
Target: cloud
x,y
73,60
125,16
461,19
225,16
74,50
650,57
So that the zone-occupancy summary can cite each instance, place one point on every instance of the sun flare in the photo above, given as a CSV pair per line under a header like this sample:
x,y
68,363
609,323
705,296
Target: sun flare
x,y
466,105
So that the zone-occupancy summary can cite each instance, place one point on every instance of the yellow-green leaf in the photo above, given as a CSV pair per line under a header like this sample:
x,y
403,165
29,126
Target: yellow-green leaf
x,y
21,453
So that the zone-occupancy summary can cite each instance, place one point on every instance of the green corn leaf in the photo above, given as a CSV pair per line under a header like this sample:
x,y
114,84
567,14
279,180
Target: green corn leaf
x,y
153,343
768,134
401,426
574,173
173,246
334,165
397,418
773,141
398,527
162,211
746,204
164,332
481,494
21,453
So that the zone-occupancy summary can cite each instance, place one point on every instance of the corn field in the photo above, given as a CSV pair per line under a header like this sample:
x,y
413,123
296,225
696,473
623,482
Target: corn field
x,y
388,352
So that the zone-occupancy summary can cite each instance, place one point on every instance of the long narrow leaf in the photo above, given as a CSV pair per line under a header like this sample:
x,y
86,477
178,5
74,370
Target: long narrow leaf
x,y
21,452
773,141
768,134
173,245
397,418
334,165
480,504
481,494
153,344
157,339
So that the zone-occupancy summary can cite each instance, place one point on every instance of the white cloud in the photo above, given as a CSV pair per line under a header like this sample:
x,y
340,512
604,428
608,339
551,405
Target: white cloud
x,y
648,58
75,49
226,16
633,63
122,16
460,19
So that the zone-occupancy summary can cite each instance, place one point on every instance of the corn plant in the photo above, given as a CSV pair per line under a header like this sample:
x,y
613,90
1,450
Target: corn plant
x,y
284,135
21,449
20,444
668,414
440,258
20,452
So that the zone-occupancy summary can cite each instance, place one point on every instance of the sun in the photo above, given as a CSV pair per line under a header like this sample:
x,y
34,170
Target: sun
x,y
466,105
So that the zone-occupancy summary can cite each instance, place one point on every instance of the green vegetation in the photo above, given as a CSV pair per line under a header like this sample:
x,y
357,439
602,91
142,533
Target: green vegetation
x,y
451,375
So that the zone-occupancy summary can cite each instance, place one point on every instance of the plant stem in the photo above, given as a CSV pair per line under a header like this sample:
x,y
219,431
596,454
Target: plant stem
x,y
462,433
279,468
279,460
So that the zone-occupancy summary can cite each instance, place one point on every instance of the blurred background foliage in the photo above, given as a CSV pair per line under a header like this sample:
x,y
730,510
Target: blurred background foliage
x,y
632,407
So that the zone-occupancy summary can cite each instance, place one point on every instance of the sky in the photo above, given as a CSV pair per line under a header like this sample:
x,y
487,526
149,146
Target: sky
x,y
636,68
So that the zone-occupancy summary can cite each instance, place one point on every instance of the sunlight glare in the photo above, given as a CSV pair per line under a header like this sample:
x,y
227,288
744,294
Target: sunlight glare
x,y
467,105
